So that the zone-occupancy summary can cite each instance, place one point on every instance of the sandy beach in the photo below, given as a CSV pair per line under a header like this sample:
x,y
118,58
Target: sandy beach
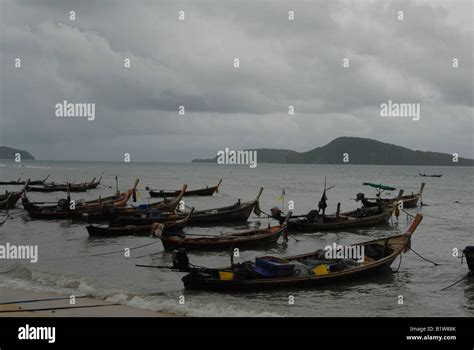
x,y
84,307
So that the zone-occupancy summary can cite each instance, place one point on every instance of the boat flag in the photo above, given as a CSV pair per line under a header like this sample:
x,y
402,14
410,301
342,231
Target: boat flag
x,y
397,210
322,205
282,197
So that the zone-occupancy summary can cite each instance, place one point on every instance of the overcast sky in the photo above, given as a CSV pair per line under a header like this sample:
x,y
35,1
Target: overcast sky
x,y
190,63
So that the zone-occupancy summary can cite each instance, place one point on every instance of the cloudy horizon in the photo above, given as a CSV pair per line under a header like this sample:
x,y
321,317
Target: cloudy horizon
x,y
190,63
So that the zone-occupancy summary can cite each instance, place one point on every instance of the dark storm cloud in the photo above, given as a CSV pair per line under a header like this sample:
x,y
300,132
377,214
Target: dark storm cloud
x,y
190,63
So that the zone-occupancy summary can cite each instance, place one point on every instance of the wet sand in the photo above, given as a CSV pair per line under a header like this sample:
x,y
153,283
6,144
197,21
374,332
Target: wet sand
x,y
83,307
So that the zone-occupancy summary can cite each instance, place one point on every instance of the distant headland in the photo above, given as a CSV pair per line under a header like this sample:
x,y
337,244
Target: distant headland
x,y
10,153
356,150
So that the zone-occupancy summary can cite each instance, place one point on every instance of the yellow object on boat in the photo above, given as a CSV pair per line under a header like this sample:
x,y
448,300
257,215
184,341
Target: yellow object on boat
x,y
226,276
320,270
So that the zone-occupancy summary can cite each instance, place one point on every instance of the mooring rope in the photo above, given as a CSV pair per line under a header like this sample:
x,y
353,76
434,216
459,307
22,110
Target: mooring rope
x,y
400,262
271,217
434,217
452,284
101,254
435,264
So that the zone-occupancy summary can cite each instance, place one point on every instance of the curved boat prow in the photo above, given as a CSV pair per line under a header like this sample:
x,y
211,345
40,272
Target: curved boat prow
x,y
132,190
421,188
259,194
414,224
25,187
400,194
182,193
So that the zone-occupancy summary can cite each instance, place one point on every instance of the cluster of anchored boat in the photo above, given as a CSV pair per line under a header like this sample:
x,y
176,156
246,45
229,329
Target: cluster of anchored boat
x,y
167,219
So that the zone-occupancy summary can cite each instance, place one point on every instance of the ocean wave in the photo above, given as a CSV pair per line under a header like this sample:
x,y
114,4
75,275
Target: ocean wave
x,y
38,167
22,278
48,167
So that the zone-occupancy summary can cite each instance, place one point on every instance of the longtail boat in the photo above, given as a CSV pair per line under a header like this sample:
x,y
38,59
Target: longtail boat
x,y
243,239
238,212
409,201
53,187
94,185
19,182
431,175
312,222
66,209
10,199
149,210
300,271
166,226
208,191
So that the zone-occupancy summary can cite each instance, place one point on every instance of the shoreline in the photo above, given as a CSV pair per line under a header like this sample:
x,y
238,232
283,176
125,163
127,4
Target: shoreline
x,y
83,307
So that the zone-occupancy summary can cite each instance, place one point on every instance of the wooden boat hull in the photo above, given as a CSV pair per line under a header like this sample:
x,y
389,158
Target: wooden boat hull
x,y
378,259
241,240
202,192
424,175
102,201
34,182
131,230
409,201
223,215
208,191
9,201
133,215
295,225
62,211
73,188
195,283
469,254
126,230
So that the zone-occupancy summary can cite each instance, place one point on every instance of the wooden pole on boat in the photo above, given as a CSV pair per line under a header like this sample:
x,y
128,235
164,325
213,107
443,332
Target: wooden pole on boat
x,y
217,187
69,194
232,254
259,193
421,188
116,184
338,211
322,203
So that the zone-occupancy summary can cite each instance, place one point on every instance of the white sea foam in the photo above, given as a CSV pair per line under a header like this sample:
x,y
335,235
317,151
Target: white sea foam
x,y
23,278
